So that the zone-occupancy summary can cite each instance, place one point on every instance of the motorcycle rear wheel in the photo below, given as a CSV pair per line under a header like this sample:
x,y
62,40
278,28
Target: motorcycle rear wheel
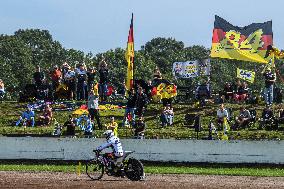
x,y
134,170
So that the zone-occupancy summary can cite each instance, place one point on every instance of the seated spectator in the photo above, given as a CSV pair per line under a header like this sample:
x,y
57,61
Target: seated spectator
x,y
243,119
70,126
267,119
46,117
2,89
202,93
139,128
167,116
281,116
112,126
27,118
241,92
222,114
228,92
88,127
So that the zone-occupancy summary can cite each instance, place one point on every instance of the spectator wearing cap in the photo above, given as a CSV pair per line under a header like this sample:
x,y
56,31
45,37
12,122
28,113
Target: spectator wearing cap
x,y
270,79
27,118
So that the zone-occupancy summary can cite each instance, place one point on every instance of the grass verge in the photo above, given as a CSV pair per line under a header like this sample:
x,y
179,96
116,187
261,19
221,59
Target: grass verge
x,y
168,169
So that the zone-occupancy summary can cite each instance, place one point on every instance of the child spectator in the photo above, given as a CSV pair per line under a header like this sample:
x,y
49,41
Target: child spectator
x,y
27,117
88,127
139,128
222,114
112,126
167,116
70,126
46,117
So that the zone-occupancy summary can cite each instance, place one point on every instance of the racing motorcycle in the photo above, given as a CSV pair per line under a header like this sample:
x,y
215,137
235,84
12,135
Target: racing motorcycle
x,y
104,163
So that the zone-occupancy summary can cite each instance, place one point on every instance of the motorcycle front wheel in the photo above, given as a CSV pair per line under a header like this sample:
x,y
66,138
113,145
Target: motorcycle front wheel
x,y
94,169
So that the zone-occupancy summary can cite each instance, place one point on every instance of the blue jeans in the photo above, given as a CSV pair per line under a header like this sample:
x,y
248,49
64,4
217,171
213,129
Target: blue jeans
x,y
132,113
268,94
81,93
167,119
31,121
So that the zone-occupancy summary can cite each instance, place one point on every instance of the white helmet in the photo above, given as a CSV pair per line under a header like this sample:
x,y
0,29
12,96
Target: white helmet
x,y
108,134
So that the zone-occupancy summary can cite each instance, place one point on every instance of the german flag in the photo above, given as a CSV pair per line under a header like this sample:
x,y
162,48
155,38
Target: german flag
x,y
129,55
247,43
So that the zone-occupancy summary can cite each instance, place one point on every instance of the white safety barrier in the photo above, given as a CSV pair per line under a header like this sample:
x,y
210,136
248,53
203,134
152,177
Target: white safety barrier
x,y
151,150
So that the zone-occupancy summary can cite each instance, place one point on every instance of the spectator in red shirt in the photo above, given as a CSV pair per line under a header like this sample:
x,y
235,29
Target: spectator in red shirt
x,y
55,77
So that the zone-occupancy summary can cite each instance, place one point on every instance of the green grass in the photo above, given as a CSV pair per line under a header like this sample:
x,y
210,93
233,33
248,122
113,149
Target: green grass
x,y
10,111
195,169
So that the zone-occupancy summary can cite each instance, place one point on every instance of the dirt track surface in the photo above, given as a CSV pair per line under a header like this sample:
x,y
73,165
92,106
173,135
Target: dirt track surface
x,y
67,180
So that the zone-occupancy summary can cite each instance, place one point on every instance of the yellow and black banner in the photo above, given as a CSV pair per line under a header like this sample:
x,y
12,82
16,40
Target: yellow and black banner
x,y
129,55
247,43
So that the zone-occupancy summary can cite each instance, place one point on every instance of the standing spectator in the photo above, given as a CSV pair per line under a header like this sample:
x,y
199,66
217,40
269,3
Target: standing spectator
x,y
222,114
141,102
27,117
167,116
243,119
70,126
270,79
103,71
130,107
2,89
81,82
112,126
47,115
70,80
93,108
38,77
56,75
91,78
65,68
